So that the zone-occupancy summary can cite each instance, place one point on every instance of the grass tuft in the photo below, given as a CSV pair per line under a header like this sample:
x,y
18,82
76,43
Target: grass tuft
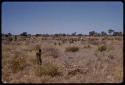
x,y
87,46
72,49
17,64
102,48
47,69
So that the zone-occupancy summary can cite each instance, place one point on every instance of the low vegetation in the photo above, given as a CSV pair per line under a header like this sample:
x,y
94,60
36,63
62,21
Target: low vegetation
x,y
87,46
72,49
92,61
18,63
102,48
118,73
48,69
51,51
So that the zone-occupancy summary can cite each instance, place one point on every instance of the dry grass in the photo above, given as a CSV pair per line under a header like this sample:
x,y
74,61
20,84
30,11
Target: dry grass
x,y
51,51
18,63
87,62
118,73
37,47
48,69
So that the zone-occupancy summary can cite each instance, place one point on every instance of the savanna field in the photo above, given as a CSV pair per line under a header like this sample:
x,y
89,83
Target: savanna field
x,y
69,59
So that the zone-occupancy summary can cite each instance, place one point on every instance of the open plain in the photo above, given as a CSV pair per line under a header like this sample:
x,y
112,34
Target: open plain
x,y
69,59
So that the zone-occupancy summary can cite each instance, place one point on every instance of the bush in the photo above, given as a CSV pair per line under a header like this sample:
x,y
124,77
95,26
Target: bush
x,y
55,43
87,46
23,34
17,64
47,69
59,43
102,48
72,49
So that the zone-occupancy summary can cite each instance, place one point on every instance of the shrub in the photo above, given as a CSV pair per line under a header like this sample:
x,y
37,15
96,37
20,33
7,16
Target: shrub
x,y
59,43
55,43
87,46
72,49
17,64
102,48
48,69
74,71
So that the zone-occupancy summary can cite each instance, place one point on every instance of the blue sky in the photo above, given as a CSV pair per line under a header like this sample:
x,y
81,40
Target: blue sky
x,y
61,17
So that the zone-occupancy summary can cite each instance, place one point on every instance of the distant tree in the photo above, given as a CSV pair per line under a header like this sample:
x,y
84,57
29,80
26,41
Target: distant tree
x,y
38,35
46,35
120,33
117,33
23,34
98,34
9,34
92,33
110,31
63,34
4,35
103,33
79,35
73,34
67,34
29,35
56,35
60,34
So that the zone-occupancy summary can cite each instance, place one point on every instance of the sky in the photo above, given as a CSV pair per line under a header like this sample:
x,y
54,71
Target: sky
x,y
61,17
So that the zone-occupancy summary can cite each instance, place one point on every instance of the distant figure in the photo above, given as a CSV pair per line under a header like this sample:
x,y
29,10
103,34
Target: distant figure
x,y
38,55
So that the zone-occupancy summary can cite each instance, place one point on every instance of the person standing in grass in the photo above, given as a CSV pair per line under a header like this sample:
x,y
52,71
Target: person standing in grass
x,y
38,55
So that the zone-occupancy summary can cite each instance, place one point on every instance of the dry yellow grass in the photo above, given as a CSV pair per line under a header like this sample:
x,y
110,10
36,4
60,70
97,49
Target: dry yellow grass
x,y
61,63
17,64
47,69
118,73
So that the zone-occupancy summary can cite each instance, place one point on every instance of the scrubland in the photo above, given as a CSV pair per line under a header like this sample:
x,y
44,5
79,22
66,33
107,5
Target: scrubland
x,y
92,60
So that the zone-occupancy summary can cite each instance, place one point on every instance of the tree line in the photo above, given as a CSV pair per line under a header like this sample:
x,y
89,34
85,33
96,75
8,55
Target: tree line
x,y
111,32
